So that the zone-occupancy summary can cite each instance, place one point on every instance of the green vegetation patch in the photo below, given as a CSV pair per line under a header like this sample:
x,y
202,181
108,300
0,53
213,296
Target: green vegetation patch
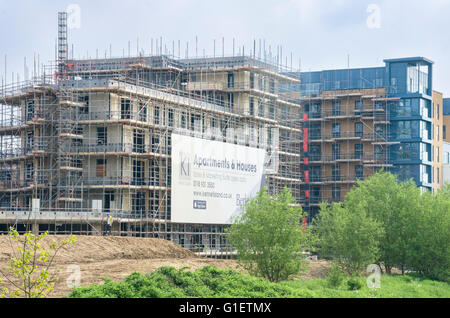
x,y
211,282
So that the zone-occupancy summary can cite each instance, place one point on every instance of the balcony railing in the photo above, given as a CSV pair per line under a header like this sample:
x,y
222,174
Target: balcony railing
x,y
117,148
125,181
348,156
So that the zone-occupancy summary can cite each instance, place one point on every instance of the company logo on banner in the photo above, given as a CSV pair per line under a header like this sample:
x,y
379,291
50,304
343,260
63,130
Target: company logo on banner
x,y
185,166
212,180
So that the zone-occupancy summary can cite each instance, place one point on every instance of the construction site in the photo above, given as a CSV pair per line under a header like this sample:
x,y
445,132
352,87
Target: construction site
x,y
90,137
85,138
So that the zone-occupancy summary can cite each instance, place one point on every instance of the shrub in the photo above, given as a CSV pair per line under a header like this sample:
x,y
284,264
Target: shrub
x,y
335,277
268,236
349,236
355,282
168,282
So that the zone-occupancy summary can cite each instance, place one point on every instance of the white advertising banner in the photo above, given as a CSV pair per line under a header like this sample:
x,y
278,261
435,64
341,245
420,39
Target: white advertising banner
x,y
211,180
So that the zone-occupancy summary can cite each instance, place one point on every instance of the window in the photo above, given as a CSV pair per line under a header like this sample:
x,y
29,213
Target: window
x,y
154,203
358,105
358,151
437,175
154,173
183,120
252,80
138,172
156,115
155,144
252,106
444,132
230,80
125,108
170,115
30,110
315,131
407,151
315,153
315,195
29,172
101,168
260,108
379,131
231,100
315,174
437,133
196,122
336,173
271,111
285,113
336,193
359,129
138,202
336,151
138,141
272,86
437,111
336,108
85,101
142,111
315,110
336,130
378,151
5,175
29,142
260,83
359,172
102,136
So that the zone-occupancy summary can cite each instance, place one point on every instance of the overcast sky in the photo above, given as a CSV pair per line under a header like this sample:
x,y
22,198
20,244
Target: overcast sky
x,y
322,33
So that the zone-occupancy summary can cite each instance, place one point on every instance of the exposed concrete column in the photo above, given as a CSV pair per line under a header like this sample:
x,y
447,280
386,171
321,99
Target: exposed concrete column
x,y
35,228
115,228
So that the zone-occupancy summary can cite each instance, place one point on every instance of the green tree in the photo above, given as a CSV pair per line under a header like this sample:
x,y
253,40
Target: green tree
x,y
268,236
29,267
348,236
430,252
397,207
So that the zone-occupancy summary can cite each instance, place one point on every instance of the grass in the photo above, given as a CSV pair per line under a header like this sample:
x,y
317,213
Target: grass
x,y
392,286
210,282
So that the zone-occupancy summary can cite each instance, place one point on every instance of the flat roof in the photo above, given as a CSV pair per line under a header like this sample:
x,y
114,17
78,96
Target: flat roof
x,y
409,59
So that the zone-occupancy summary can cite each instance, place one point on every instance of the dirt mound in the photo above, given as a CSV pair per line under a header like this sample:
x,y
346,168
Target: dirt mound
x,y
89,249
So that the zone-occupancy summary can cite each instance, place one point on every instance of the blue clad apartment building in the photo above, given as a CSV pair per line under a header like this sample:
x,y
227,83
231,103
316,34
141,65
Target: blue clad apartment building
x,y
358,121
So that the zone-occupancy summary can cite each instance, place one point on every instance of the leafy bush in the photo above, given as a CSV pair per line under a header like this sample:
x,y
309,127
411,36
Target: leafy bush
x,y
210,282
397,207
430,252
268,236
390,223
349,236
168,282
335,277
355,282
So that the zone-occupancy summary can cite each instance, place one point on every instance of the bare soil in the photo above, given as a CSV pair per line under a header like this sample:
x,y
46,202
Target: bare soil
x,y
117,257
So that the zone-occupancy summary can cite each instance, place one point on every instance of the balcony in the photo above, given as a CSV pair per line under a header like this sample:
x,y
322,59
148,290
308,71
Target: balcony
x,y
119,148
125,181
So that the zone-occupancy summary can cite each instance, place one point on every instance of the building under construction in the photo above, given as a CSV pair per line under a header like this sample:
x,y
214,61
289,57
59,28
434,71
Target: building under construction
x,y
94,136
91,137
358,121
